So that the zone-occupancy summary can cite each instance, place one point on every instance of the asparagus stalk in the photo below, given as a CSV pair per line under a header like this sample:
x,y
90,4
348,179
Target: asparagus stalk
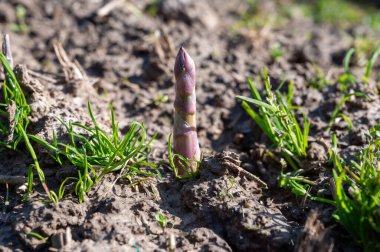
x,y
185,139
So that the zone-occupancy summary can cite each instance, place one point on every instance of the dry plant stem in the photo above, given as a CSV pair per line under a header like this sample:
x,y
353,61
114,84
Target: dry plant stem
x,y
234,167
72,70
11,110
185,139
7,49
106,9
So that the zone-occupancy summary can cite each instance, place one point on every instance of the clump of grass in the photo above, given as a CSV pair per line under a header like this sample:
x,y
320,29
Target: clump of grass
x,y
357,196
277,120
16,109
346,80
95,152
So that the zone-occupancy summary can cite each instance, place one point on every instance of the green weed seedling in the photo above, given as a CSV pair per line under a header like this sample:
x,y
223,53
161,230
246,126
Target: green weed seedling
x,y
95,153
21,25
336,112
347,79
276,51
370,63
300,186
357,197
161,220
231,182
320,80
160,99
38,236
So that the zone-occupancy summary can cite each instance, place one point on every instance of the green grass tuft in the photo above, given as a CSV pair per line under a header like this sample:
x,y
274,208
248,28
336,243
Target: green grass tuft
x,y
277,120
13,97
357,185
95,152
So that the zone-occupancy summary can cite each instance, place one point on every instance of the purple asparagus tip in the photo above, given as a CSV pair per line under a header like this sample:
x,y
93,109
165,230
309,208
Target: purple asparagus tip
x,y
184,71
185,140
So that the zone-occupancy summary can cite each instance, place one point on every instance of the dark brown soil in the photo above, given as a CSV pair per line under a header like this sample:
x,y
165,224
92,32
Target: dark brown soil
x,y
127,57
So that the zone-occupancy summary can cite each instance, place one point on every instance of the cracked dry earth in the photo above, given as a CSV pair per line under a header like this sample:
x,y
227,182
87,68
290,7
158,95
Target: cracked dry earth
x,y
124,56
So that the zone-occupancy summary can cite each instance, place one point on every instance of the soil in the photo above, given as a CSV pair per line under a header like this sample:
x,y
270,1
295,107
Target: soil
x,y
123,56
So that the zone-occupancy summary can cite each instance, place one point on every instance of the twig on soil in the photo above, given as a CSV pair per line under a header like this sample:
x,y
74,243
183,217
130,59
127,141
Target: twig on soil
x,y
11,110
72,70
106,9
13,180
41,76
232,164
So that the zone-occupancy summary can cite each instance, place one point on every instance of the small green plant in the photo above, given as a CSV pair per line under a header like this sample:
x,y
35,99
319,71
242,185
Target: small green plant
x,y
276,51
336,112
370,63
152,8
320,80
300,186
21,25
160,99
278,122
231,182
95,152
347,79
357,196
38,236
161,220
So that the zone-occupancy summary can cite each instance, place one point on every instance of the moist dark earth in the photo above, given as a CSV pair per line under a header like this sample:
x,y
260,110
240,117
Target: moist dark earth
x,y
125,57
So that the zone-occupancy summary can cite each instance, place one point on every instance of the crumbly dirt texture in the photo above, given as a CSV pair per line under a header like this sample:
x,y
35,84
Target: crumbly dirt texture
x,y
123,56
